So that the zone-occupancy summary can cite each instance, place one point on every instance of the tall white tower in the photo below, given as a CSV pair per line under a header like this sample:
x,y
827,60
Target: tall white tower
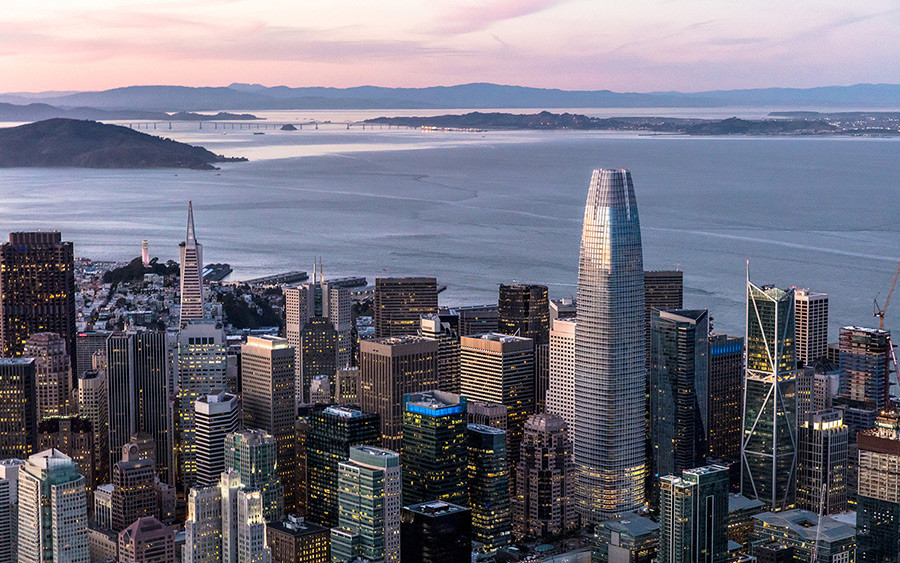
x,y
145,252
610,365
191,273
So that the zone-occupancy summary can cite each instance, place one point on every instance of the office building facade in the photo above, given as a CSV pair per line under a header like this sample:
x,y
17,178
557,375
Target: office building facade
x,y
726,397
561,386
810,326
401,302
18,412
822,462
53,374
435,532
253,455
215,417
488,473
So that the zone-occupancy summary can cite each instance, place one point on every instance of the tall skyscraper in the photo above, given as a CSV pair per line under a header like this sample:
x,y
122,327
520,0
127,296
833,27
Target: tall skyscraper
x,y
435,532
203,526
401,302
693,510
810,325
269,403
93,405
215,416
489,486
37,290
390,368
444,329
663,289
561,388
73,436
200,371
769,446
138,385
679,390
498,368
726,397
477,319
368,506
524,310
191,273
865,357
53,374
318,325
610,352
434,447
243,522
86,345
52,510
10,469
252,454
18,412
134,495
544,504
822,462
331,433
147,540
878,492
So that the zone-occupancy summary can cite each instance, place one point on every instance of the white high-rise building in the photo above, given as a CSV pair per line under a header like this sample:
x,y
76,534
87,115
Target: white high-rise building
x,y
610,363
215,416
9,508
200,371
52,510
203,527
93,404
561,389
191,273
810,325
369,506
243,525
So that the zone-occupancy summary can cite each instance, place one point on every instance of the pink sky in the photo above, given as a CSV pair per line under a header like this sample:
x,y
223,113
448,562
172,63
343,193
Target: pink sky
x,y
622,45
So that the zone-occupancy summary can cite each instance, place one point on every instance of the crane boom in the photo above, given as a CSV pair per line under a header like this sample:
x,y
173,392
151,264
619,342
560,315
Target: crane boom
x,y
879,311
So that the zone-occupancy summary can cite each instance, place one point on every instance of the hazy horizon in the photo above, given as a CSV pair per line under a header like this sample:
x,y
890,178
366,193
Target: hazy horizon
x,y
642,46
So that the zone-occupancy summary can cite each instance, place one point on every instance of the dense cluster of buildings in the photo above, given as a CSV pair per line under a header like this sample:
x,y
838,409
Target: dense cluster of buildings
x,y
450,433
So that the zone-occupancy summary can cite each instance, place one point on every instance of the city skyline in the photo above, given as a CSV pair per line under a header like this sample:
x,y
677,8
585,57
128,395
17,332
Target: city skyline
x,y
656,45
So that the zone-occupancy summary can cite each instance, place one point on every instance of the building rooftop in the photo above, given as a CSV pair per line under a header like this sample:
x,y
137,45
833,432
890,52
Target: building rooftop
x,y
372,455
497,337
807,525
436,508
632,524
343,412
16,361
297,526
740,502
434,403
485,429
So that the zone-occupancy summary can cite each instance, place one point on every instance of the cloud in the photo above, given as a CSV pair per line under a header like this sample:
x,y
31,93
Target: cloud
x,y
484,13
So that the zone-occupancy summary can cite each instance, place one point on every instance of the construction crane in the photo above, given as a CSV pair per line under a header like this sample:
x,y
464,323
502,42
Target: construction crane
x,y
879,312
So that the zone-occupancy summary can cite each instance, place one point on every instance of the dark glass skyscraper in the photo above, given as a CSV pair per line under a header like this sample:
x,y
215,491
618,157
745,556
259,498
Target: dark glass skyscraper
x,y
37,291
769,447
524,310
726,397
693,511
434,448
18,408
489,486
401,302
679,390
610,360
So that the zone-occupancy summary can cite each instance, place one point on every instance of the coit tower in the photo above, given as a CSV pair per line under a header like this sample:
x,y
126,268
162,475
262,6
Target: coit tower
x,y
610,368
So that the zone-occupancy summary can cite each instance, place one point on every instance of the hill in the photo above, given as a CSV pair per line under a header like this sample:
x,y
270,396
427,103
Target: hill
x,y
39,111
88,144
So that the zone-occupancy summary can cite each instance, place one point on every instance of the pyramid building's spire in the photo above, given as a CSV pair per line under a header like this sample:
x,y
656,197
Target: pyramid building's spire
x,y
191,236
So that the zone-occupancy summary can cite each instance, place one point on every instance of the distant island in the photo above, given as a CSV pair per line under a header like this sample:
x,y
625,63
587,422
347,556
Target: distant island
x,y
888,124
40,111
88,144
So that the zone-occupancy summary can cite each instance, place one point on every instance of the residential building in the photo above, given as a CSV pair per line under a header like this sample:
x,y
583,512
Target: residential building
x,y
369,485
9,508
488,490
389,368
865,358
434,450
401,302
810,326
610,429
435,532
